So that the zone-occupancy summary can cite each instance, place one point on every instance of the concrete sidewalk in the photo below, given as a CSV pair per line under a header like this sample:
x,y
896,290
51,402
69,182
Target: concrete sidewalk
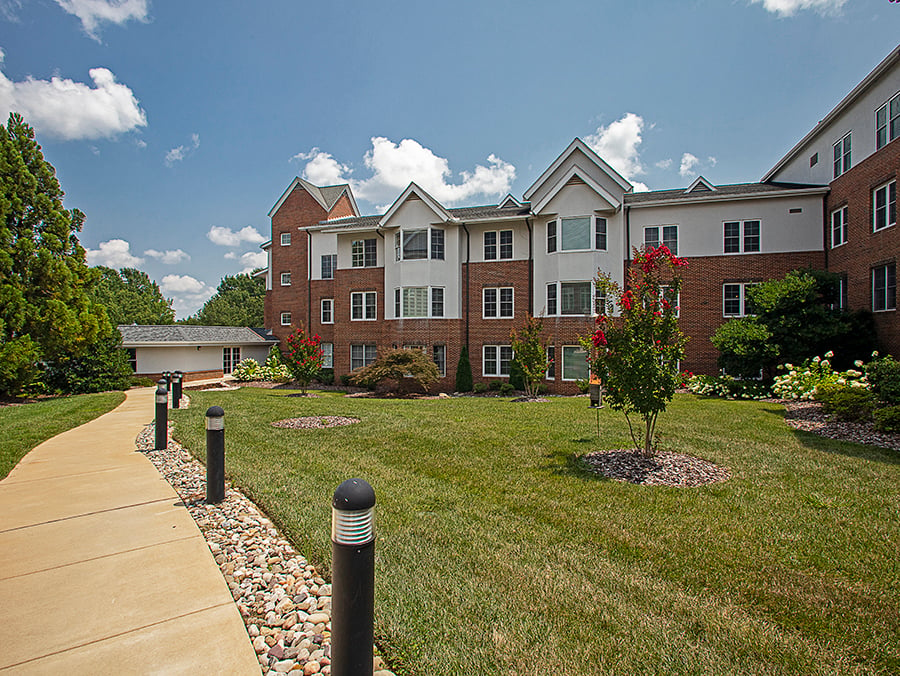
x,y
102,568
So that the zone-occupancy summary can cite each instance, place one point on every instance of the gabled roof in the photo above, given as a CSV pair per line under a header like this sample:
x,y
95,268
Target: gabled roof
x,y
888,62
413,190
735,191
578,144
326,196
135,335
509,202
700,184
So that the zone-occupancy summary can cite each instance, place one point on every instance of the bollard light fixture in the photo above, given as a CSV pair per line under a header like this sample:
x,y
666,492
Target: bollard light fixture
x,y
353,513
215,418
161,395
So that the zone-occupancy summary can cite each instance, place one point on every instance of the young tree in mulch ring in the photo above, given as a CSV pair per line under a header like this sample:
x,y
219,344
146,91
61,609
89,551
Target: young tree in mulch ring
x,y
303,357
636,355
530,354
397,365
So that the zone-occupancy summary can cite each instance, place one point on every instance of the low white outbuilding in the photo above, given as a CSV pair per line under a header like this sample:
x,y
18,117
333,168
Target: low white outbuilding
x,y
199,352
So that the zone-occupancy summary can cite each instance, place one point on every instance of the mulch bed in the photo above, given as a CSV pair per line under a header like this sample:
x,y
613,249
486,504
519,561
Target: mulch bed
x,y
808,416
662,469
315,422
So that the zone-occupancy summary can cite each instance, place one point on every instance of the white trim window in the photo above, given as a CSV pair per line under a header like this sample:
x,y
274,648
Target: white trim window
x,y
419,244
363,306
498,245
327,312
327,355
570,299
364,253
884,206
329,265
361,355
285,318
574,363
655,235
285,239
576,233
285,279
839,227
734,299
741,236
231,357
495,360
884,288
415,302
439,354
497,302
842,155
887,122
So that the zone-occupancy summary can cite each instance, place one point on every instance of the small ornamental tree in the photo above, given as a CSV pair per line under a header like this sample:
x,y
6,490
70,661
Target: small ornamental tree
x,y
303,357
636,355
530,354
464,371
397,365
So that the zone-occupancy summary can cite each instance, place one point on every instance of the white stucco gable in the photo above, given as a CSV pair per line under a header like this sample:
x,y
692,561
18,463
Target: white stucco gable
x,y
578,162
414,193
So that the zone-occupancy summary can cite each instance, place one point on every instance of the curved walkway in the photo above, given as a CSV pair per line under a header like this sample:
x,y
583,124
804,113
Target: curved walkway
x,y
102,569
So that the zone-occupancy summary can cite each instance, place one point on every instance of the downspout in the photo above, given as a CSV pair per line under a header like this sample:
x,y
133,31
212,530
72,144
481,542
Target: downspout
x,y
627,240
466,293
825,228
309,280
530,266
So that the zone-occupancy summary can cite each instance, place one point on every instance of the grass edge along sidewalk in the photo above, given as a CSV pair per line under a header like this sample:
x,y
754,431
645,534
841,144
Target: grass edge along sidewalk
x,y
497,552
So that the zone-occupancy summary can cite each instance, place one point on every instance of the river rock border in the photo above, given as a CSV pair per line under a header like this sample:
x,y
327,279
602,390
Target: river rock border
x,y
285,603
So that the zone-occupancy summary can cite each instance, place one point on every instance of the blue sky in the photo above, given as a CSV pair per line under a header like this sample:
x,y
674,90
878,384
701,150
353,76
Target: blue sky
x,y
175,126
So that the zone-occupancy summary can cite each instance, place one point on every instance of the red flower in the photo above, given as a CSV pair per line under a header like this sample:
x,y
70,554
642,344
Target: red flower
x,y
599,338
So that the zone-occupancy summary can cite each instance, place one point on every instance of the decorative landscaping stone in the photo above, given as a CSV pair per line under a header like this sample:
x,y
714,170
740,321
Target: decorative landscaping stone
x,y
317,422
285,603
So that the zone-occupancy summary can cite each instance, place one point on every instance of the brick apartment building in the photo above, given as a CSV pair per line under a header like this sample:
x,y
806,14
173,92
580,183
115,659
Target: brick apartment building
x,y
436,278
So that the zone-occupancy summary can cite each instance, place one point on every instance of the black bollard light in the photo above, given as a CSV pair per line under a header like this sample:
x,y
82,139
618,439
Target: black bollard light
x,y
352,578
176,391
168,376
162,418
215,455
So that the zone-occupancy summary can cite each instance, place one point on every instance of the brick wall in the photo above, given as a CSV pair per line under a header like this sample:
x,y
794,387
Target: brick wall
x,y
866,249
701,295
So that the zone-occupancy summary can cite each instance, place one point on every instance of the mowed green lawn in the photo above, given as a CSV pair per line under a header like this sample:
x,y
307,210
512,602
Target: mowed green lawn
x,y
24,427
498,554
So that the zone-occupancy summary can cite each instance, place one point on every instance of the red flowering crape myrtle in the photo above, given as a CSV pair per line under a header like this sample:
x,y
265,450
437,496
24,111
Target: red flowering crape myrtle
x,y
636,351
303,357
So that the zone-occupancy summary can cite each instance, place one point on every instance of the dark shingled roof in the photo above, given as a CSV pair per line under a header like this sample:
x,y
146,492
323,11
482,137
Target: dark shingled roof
x,y
181,333
737,189
478,213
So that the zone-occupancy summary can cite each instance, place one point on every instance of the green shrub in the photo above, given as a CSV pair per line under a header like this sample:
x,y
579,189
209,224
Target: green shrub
x,y
887,419
345,379
727,387
507,388
516,376
799,382
104,368
326,376
584,385
142,381
494,385
246,370
400,366
745,347
480,388
464,371
849,404
884,378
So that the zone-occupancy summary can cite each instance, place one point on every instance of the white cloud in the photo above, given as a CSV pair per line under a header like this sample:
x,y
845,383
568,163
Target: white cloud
x,y
168,257
180,152
72,110
114,253
618,144
140,143
253,260
395,165
691,165
94,12
321,168
688,162
230,256
186,292
227,237
664,164
790,7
